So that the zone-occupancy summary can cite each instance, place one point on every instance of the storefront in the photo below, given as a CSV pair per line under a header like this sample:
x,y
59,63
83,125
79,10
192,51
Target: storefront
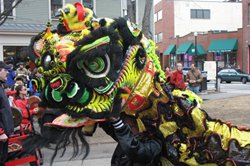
x,y
188,53
14,40
183,54
225,52
171,52
199,56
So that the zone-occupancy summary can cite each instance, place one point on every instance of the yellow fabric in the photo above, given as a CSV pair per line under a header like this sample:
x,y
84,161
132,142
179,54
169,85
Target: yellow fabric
x,y
191,95
167,128
140,125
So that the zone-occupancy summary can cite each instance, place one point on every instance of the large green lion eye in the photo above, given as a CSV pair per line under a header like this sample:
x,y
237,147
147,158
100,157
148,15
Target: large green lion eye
x,y
97,65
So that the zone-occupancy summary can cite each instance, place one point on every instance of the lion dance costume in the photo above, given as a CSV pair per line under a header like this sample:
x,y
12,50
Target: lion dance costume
x,y
88,61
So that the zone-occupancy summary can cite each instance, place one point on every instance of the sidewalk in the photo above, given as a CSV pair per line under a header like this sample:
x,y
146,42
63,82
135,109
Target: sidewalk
x,y
100,155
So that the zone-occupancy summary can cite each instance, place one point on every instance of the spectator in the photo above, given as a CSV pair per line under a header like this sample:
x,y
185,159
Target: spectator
x,y
6,120
19,81
167,73
177,78
21,102
194,79
11,76
22,72
36,76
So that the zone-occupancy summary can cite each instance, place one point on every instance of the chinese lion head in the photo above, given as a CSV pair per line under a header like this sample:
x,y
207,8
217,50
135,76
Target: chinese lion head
x,y
94,68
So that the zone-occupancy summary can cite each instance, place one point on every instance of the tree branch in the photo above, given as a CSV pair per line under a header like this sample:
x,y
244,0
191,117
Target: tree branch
x,y
4,15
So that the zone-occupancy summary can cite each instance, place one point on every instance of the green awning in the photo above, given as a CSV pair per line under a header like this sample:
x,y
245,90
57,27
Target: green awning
x,y
170,50
200,50
226,45
184,48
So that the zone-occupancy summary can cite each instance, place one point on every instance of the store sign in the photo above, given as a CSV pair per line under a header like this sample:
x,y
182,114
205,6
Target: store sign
x,y
210,67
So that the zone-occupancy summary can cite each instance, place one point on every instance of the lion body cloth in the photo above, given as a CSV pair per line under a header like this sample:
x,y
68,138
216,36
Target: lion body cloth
x,y
87,60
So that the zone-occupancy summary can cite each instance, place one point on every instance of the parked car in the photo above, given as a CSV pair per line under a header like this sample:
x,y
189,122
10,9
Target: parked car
x,y
229,75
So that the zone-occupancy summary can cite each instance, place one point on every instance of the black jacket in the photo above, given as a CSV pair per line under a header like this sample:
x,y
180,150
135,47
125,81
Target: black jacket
x,y
6,117
133,150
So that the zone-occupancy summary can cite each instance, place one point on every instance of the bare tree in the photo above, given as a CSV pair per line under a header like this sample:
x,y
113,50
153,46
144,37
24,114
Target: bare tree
x,y
131,8
146,18
4,15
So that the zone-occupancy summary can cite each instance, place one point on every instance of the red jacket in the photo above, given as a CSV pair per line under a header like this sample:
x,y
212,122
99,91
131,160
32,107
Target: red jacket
x,y
177,79
21,103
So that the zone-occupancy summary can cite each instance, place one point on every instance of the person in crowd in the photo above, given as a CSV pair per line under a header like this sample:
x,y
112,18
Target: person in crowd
x,y
11,76
22,72
29,69
20,101
6,117
32,88
194,79
18,81
177,78
167,73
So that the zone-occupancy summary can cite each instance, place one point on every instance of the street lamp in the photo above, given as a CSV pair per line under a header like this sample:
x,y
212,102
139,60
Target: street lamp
x,y
195,48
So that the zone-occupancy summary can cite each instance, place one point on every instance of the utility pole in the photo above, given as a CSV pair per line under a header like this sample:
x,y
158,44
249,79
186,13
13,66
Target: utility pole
x,y
195,49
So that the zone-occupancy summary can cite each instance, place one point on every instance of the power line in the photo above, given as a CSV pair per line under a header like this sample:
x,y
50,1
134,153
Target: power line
x,y
4,15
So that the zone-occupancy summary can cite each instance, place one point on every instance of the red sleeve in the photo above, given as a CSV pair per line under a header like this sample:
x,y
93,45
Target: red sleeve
x,y
1,131
22,105
173,77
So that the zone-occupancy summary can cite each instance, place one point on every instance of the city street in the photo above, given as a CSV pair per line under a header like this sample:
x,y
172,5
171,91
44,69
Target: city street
x,y
226,90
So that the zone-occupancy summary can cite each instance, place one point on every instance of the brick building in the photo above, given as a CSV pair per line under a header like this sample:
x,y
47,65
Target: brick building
x,y
190,31
246,35
225,47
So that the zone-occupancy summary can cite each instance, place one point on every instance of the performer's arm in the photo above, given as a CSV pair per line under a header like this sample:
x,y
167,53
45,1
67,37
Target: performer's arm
x,y
140,151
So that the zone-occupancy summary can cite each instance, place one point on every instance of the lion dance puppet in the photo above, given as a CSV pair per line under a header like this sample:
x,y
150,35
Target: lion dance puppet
x,y
97,68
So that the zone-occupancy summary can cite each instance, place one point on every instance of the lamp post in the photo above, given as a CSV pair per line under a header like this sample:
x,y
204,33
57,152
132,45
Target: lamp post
x,y
195,48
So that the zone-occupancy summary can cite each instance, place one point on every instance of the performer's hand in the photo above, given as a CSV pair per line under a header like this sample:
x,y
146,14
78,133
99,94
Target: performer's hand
x,y
3,138
117,107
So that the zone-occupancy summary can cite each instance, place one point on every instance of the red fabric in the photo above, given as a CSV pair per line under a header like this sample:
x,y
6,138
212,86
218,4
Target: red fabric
x,y
1,131
80,11
177,79
21,103
136,102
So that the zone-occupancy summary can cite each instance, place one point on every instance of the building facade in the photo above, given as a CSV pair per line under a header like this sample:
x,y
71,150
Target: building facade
x,y
224,47
30,18
246,35
175,20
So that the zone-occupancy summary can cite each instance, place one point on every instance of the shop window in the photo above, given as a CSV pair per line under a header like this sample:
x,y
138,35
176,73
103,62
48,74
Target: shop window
x,y
15,54
54,6
187,60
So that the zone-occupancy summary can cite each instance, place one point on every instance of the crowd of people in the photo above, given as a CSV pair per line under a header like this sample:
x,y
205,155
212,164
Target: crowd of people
x,y
15,88
177,79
